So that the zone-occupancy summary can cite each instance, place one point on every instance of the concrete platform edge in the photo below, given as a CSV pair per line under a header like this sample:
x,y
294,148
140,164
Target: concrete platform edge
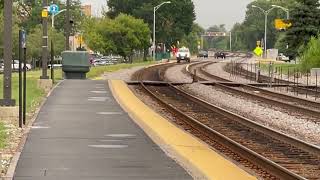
x,y
198,159
16,156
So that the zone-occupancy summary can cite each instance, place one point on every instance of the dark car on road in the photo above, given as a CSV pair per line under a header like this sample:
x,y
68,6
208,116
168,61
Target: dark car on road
x,y
203,54
218,55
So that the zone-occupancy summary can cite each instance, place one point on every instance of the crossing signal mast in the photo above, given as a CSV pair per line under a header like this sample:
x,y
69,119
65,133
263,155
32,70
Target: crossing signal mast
x,y
217,34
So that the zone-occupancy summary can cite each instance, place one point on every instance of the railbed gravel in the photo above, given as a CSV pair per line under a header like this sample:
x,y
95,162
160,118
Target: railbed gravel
x,y
123,74
176,74
296,126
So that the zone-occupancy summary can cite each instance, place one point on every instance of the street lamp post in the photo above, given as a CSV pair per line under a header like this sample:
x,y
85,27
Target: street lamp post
x,y
53,15
265,12
154,27
7,56
284,9
52,45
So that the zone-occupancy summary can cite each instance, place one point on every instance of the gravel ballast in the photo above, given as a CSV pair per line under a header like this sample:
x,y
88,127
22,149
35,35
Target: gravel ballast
x,y
298,127
293,125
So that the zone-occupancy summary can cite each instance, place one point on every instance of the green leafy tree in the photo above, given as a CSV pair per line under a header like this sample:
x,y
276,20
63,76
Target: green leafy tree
x,y
98,35
174,20
251,30
34,42
310,56
122,35
1,4
192,40
35,16
133,34
305,16
217,42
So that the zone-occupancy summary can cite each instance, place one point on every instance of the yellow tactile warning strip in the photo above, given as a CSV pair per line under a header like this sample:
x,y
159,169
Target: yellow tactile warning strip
x,y
196,156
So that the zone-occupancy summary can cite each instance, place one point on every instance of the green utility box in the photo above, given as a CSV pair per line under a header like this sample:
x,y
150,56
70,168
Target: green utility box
x,y
75,64
162,55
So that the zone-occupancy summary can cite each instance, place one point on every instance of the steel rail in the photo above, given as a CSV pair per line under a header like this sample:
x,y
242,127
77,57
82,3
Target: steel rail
x,y
264,78
311,107
275,168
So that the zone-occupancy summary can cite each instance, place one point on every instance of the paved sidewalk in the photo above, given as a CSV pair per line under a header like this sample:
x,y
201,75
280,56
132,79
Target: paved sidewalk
x,y
82,133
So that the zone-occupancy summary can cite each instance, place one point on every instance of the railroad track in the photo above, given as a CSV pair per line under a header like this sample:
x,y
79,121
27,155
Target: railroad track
x,y
272,155
294,104
294,86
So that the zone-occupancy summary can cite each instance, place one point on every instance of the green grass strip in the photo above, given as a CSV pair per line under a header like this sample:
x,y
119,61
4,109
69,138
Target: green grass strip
x,y
100,70
3,136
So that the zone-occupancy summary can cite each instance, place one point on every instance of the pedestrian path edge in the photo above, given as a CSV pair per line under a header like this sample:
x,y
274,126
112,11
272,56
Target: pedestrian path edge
x,y
14,161
197,157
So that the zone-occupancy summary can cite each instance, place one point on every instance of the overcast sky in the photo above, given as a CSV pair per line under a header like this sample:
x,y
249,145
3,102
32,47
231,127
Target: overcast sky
x,y
209,12
212,12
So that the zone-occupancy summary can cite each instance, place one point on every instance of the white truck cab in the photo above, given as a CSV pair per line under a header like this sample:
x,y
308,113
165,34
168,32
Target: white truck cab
x,y
183,54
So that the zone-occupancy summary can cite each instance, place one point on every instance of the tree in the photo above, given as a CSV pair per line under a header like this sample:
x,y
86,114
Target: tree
x,y
35,16
192,40
34,42
98,35
305,16
251,30
122,35
310,56
217,42
174,20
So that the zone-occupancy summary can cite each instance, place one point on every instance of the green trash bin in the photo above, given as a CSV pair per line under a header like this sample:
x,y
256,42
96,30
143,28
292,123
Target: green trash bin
x,y
166,55
158,56
75,64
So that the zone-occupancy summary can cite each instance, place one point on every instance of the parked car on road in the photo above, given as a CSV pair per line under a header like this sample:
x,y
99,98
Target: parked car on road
x,y
203,54
15,65
183,54
1,63
282,57
220,54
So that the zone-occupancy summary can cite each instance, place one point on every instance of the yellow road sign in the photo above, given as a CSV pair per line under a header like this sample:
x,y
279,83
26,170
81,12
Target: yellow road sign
x,y
282,24
258,43
258,51
44,13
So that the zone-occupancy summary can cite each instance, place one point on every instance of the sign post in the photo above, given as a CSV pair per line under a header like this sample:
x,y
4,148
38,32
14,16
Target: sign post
x,y
7,56
24,111
22,83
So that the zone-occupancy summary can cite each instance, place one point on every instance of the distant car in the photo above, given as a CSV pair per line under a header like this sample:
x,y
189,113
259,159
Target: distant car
x,y
282,57
183,54
15,65
1,64
203,54
218,55
55,66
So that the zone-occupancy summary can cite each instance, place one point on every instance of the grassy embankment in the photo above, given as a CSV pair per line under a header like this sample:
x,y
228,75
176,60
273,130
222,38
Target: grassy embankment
x,y
35,95
100,70
282,67
3,136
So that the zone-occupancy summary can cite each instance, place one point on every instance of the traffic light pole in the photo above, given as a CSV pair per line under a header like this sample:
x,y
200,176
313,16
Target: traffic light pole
x,y
44,43
67,26
7,56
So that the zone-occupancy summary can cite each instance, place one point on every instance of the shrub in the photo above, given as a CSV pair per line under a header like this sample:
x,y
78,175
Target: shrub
x,y
310,58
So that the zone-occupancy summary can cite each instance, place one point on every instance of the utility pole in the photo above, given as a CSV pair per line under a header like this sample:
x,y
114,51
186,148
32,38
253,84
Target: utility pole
x,y
67,26
7,55
45,41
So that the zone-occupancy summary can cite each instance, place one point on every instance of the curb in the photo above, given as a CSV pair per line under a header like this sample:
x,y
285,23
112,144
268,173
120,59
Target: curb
x,y
14,161
194,155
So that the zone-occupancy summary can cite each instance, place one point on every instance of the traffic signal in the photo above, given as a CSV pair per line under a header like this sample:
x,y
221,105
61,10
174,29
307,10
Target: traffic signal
x,y
282,24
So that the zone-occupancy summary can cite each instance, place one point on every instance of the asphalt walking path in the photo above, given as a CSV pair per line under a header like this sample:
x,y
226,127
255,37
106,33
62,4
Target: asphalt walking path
x,y
82,133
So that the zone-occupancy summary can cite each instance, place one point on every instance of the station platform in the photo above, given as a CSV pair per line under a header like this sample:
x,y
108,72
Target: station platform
x,y
99,130
81,133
